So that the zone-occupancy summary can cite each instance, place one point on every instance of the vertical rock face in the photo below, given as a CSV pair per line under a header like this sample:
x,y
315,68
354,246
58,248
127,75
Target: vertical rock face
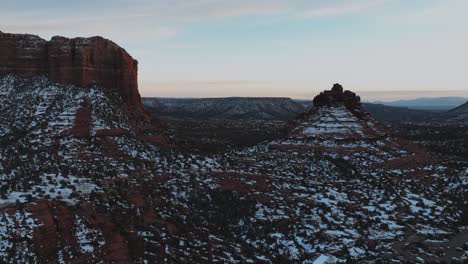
x,y
22,55
79,61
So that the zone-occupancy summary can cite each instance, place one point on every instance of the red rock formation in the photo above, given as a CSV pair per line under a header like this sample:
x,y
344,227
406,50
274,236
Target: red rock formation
x,y
336,114
83,121
54,229
337,96
22,55
79,61
116,132
45,238
157,139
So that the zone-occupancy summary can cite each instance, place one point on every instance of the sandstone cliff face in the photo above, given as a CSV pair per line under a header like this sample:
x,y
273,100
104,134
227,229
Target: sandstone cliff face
x,y
79,61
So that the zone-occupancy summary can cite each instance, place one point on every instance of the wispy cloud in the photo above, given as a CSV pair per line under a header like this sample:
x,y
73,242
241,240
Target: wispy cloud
x,y
158,18
343,8
407,44
205,9
447,15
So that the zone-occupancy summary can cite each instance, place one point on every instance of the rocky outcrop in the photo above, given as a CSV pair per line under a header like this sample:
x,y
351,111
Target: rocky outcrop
x,y
337,96
336,114
83,121
80,61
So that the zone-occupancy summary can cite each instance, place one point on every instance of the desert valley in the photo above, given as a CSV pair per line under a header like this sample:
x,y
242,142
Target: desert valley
x,y
92,173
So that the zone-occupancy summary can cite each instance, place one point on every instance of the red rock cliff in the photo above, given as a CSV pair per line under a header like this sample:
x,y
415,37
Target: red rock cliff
x,y
79,61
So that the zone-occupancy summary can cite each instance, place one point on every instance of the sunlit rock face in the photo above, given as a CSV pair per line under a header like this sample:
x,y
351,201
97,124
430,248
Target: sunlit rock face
x,y
80,61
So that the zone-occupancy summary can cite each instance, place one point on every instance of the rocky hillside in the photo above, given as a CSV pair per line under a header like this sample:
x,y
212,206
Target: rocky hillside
x,y
436,104
227,108
341,187
456,115
338,115
86,179
83,180
62,146
80,61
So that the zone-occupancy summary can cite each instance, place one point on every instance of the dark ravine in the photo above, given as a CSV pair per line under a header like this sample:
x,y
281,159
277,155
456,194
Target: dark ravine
x,y
80,61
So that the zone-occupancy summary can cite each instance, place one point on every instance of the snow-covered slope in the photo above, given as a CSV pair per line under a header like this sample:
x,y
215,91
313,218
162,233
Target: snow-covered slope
x,y
340,184
59,144
84,180
337,123
42,120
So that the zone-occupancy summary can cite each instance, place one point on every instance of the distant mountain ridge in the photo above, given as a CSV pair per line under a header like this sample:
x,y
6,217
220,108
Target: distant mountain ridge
x,y
266,108
436,104
458,114
385,113
230,107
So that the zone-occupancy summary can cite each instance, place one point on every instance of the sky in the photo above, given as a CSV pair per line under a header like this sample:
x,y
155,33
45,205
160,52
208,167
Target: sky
x,y
381,49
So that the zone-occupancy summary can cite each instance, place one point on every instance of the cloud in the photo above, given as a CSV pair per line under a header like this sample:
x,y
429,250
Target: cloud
x,y
343,8
205,9
157,19
408,44
448,15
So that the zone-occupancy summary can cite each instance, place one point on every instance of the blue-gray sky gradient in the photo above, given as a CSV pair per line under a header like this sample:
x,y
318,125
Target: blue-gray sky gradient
x,y
207,48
